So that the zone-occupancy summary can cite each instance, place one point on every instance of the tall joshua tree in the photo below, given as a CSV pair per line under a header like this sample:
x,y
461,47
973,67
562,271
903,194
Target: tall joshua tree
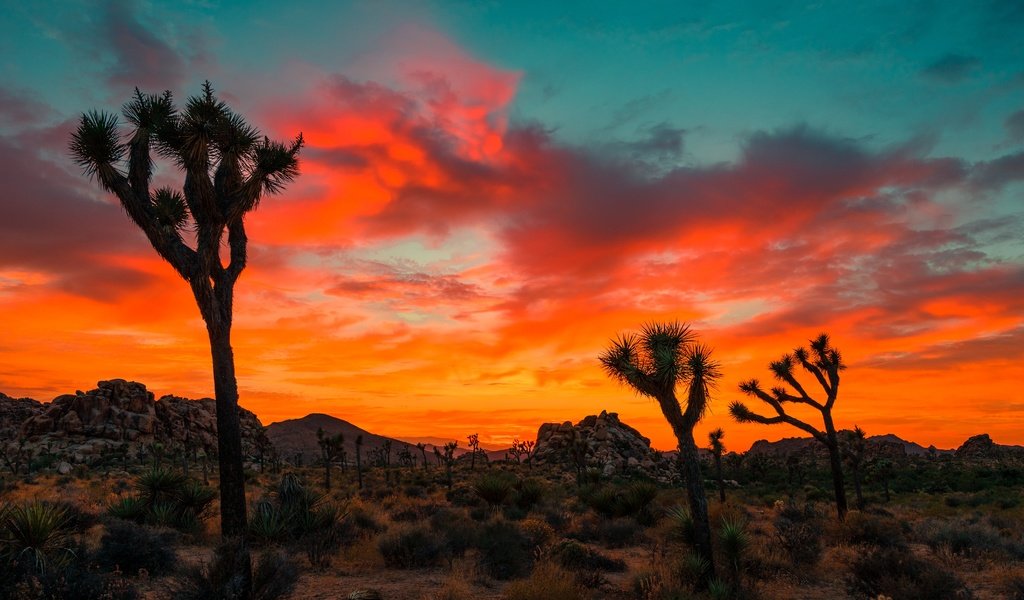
x,y
228,168
824,362
654,362
717,448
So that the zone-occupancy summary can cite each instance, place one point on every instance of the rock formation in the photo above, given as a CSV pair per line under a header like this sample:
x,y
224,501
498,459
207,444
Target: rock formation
x,y
612,446
982,447
121,417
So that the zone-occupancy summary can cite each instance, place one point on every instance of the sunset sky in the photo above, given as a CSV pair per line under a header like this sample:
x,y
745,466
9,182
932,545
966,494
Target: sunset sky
x,y
491,191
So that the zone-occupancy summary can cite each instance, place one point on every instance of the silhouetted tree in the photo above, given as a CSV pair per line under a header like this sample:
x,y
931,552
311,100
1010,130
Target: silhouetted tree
x,y
653,363
577,449
853,446
474,445
423,452
331,447
228,168
448,458
824,362
717,447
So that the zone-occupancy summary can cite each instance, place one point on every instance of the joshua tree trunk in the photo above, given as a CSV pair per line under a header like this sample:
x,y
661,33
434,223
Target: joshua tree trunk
x,y
835,460
229,434
721,480
695,495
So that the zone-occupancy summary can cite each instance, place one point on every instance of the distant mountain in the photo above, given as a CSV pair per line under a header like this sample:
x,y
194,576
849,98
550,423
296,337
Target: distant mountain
x,y
295,439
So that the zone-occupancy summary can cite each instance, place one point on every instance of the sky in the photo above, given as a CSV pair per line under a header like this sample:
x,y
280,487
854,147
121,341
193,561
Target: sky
x,y
492,191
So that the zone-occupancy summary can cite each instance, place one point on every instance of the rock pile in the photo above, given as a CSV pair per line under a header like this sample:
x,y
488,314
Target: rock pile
x,y
611,446
14,412
122,417
982,447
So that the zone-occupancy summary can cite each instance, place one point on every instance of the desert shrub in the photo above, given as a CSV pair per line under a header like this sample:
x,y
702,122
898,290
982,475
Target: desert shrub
x,y
365,522
457,531
273,576
899,575
415,491
864,528
798,533
463,496
546,582
505,551
619,533
129,547
494,487
1013,587
966,539
578,557
73,581
529,493
410,548
538,532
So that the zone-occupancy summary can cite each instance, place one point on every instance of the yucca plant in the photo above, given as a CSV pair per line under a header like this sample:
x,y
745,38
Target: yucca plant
x,y
36,535
494,488
267,523
734,543
160,485
163,514
681,524
128,508
196,498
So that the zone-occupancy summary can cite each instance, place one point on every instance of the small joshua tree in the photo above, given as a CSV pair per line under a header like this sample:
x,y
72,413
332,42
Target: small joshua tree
x,y
331,447
653,363
423,452
474,446
578,449
854,446
823,362
717,448
448,458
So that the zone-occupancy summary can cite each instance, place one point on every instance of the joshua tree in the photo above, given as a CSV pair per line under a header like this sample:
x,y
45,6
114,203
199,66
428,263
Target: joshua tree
x,y
331,447
423,452
228,168
853,446
359,460
448,456
16,455
474,445
653,363
717,447
577,449
824,362
520,449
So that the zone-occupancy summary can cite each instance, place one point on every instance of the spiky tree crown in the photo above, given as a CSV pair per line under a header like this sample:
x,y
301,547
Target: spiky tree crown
x,y
228,165
660,357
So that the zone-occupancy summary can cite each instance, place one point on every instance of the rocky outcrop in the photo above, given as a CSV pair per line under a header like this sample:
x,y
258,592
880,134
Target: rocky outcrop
x,y
878,446
611,446
14,412
982,447
121,417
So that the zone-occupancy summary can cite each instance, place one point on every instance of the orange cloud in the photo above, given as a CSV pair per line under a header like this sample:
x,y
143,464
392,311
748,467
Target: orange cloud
x,y
441,270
